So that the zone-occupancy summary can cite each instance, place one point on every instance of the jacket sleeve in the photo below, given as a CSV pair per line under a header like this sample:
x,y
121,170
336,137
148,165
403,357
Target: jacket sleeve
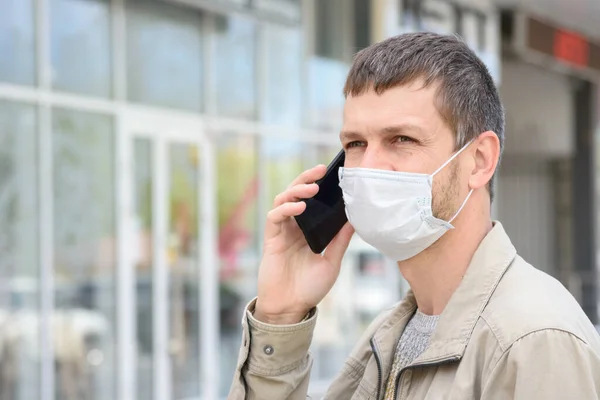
x,y
274,362
548,364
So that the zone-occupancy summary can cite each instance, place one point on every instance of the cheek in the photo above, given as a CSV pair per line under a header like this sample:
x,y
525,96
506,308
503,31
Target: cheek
x,y
446,184
354,157
413,159
413,163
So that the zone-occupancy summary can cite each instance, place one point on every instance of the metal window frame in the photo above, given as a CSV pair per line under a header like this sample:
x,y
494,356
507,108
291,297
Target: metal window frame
x,y
46,212
160,285
163,132
223,8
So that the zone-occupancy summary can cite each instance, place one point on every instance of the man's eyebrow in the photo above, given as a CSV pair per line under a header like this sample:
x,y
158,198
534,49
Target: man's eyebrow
x,y
388,130
349,135
402,129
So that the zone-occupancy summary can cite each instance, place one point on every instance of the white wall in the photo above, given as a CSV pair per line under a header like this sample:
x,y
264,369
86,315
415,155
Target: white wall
x,y
539,115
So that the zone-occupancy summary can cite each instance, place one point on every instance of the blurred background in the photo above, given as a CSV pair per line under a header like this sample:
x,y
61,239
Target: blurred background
x,y
142,143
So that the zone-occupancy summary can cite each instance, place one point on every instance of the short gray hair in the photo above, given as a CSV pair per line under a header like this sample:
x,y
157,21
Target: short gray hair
x,y
467,98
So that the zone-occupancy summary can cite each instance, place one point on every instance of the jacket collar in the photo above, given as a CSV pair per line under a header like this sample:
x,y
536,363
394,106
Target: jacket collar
x,y
455,326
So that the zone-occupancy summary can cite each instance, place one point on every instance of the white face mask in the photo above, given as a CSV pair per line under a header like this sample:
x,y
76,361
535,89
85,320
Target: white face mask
x,y
391,210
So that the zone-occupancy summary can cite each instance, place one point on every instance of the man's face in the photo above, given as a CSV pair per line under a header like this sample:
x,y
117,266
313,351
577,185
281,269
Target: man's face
x,y
401,130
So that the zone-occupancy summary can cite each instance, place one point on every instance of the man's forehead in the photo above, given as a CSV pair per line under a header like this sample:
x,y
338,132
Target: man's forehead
x,y
409,98
405,108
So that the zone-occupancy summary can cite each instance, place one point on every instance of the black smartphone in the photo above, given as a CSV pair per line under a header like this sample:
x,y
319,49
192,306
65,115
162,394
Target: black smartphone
x,y
325,214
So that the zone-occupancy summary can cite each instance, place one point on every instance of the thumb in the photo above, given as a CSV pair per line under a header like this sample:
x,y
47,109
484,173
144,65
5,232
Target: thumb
x,y
337,248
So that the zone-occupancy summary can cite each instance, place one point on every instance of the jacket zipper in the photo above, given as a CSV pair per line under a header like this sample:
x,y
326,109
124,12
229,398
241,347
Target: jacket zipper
x,y
379,367
430,364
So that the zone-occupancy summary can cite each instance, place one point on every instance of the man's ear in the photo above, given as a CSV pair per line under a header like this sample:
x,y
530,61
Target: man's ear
x,y
486,155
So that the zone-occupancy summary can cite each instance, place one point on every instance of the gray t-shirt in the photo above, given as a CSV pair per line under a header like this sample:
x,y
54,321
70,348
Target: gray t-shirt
x,y
412,343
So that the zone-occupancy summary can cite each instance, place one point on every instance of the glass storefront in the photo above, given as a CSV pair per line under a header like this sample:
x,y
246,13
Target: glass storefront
x,y
19,262
184,269
133,215
81,46
165,58
85,251
17,42
143,263
238,183
235,66
284,95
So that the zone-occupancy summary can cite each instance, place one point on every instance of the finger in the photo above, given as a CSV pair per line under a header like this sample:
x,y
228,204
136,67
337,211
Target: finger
x,y
338,246
296,193
279,214
310,175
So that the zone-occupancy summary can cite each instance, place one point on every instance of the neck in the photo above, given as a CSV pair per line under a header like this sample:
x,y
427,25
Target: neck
x,y
434,274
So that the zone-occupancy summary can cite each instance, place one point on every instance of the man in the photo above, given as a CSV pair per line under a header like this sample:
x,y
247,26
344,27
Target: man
x,y
423,132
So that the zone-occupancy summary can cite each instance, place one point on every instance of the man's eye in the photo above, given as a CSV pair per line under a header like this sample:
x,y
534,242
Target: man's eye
x,y
404,139
354,144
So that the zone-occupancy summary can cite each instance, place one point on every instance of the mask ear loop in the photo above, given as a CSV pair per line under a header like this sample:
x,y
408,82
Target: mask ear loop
x,y
442,167
461,207
451,158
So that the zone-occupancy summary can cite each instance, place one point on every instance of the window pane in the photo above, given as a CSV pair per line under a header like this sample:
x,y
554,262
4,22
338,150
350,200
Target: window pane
x,y
144,265
164,59
81,46
326,99
284,58
184,270
284,162
17,42
320,154
237,193
330,35
362,24
328,67
19,276
236,74
291,9
85,252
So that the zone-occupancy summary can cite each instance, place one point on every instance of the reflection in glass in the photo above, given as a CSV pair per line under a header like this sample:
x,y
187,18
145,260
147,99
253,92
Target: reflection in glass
x,y
184,267
81,46
85,249
326,78
330,33
320,154
17,42
236,70
284,88
284,163
19,277
164,60
289,9
237,193
144,264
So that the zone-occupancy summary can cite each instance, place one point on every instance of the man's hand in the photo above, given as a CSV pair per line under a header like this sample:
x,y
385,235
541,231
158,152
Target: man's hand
x,y
292,279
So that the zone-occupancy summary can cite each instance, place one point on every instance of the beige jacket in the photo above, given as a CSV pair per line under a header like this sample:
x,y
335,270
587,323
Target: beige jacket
x,y
509,332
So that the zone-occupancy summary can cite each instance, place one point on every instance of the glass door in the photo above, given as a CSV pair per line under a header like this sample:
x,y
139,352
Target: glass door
x,y
168,262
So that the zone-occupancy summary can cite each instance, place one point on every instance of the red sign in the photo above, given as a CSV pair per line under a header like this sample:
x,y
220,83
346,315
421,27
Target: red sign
x,y
571,47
